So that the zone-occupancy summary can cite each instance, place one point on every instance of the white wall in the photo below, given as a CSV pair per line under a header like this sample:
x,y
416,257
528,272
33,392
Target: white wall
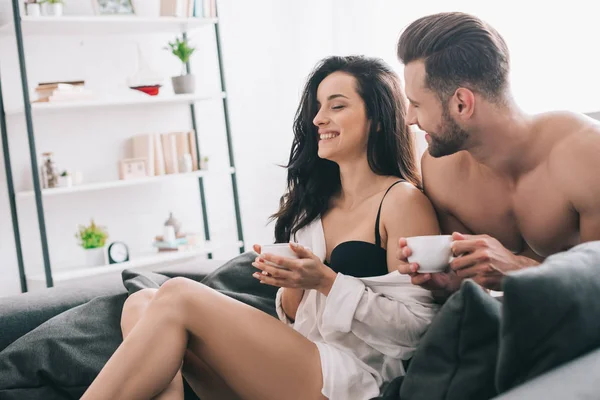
x,y
269,48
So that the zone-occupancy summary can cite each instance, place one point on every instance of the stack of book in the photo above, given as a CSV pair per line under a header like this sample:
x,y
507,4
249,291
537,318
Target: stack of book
x,y
62,91
164,152
188,8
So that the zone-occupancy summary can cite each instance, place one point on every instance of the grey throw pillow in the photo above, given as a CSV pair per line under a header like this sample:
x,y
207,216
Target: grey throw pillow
x,y
551,315
456,358
61,357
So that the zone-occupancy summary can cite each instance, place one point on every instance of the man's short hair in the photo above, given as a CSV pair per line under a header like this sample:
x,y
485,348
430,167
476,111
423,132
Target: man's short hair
x,y
459,50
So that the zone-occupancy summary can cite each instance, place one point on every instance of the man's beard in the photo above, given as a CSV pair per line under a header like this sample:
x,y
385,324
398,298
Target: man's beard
x,y
451,138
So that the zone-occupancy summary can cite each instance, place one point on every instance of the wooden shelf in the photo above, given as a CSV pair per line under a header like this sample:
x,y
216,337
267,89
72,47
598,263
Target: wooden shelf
x,y
142,99
104,25
121,183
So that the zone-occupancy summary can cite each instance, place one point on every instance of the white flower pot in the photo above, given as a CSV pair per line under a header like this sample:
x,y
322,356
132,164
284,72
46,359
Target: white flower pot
x,y
184,84
147,8
34,10
65,181
53,10
95,257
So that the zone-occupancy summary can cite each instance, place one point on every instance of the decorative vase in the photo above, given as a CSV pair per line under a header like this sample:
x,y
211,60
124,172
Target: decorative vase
x,y
34,10
184,84
95,257
174,222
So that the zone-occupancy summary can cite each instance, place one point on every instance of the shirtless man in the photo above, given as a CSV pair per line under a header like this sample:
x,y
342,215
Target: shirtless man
x,y
512,188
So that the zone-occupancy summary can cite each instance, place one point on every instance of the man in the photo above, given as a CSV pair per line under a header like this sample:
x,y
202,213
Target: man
x,y
512,188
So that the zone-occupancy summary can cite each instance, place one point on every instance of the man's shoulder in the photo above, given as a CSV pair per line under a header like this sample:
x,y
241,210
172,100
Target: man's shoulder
x,y
574,160
577,143
445,170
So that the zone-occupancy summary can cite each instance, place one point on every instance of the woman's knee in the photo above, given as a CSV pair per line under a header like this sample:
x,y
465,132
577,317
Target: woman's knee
x,y
136,303
179,293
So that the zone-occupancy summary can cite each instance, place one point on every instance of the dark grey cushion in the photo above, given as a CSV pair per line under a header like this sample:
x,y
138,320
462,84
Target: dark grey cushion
x,y
551,315
456,357
60,358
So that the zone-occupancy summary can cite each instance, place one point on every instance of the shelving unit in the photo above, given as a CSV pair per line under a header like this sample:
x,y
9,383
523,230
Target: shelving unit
x,y
133,100
117,184
115,25
118,25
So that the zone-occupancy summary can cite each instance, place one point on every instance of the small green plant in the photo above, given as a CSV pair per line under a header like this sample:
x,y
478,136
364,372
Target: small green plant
x,y
51,1
181,49
65,173
92,236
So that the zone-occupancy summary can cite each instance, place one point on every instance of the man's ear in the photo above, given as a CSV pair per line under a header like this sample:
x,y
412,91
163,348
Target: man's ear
x,y
462,103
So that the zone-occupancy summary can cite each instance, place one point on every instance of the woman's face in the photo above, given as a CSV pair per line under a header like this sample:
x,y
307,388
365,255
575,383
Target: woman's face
x,y
341,119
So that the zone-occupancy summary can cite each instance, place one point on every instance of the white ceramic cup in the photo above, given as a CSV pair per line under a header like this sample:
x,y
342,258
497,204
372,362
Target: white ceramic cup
x,y
432,253
280,249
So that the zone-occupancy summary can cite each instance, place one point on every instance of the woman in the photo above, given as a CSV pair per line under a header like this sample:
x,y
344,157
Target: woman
x,y
351,149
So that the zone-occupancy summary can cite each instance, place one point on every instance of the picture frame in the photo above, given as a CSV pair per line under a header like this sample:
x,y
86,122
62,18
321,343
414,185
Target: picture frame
x,y
113,7
133,168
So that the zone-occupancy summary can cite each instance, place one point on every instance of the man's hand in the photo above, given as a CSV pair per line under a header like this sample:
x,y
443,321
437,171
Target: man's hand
x,y
484,259
441,284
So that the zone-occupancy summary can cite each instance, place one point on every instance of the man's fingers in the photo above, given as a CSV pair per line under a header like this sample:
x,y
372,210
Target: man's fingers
x,y
467,246
420,279
470,259
402,242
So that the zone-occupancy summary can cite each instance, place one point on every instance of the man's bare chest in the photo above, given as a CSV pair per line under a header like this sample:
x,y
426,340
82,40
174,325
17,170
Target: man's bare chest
x,y
533,214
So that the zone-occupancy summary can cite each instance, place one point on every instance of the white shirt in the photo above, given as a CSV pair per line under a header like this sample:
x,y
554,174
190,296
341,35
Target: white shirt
x,y
364,328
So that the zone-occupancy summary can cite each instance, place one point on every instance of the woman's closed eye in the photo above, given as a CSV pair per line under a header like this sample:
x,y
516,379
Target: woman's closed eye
x,y
338,107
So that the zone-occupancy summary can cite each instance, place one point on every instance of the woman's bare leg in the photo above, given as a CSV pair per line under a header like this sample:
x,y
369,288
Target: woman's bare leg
x,y
133,309
209,386
256,355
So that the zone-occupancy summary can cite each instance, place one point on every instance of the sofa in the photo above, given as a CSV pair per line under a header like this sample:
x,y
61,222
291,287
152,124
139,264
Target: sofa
x,y
541,340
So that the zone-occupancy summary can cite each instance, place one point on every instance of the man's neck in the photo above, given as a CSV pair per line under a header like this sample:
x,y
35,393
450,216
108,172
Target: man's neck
x,y
502,141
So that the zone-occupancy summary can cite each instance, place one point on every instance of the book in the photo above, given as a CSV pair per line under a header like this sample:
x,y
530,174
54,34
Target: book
x,y
173,8
193,150
159,156
142,146
170,153
183,146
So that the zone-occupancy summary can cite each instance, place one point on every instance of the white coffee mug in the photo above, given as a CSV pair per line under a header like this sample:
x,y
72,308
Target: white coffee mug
x,y
432,253
280,249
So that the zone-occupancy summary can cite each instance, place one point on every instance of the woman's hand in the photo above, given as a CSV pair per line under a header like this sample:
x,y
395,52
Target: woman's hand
x,y
307,272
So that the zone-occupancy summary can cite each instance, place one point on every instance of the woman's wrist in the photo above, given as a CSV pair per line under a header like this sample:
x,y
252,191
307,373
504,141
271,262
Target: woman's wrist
x,y
327,281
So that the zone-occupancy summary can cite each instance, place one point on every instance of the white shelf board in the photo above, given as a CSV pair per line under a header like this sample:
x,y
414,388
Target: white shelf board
x,y
148,260
142,99
104,25
121,183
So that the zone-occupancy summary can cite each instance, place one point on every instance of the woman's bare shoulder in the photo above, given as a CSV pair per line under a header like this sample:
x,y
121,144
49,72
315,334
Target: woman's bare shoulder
x,y
406,205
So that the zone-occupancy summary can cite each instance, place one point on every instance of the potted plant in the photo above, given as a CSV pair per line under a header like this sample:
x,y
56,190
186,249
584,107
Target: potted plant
x,y
185,83
204,163
33,8
92,239
52,8
65,179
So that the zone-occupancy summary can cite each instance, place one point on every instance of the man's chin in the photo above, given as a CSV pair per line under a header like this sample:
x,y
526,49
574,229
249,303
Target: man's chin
x,y
437,152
